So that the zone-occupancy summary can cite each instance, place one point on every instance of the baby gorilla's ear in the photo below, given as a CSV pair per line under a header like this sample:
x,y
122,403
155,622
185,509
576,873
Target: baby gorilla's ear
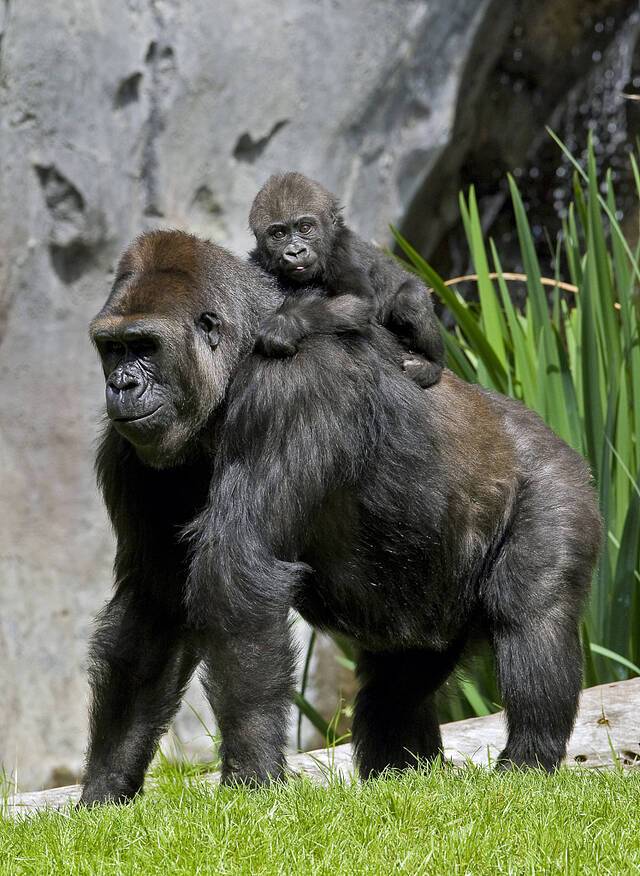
x,y
335,212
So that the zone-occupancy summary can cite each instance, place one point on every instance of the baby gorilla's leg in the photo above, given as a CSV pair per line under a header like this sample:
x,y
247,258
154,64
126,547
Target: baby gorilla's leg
x,y
413,320
421,370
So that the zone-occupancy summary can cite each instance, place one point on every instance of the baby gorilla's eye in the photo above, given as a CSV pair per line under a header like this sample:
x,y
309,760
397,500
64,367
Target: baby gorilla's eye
x,y
305,227
278,234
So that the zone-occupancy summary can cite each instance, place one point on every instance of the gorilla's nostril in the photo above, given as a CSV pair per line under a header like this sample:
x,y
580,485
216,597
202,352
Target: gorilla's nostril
x,y
122,382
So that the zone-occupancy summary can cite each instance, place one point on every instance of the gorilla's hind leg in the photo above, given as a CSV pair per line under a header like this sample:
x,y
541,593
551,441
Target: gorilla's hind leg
x,y
533,603
540,675
395,723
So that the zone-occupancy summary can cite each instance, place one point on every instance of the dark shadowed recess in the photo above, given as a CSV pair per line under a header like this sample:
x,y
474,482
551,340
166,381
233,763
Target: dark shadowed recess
x,y
128,91
564,64
75,236
249,149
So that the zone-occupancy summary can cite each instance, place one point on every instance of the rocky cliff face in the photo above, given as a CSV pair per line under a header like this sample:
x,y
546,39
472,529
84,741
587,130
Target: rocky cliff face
x,y
120,116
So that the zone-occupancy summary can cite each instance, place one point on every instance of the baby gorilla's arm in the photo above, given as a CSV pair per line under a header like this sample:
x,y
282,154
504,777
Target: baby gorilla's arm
x,y
280,333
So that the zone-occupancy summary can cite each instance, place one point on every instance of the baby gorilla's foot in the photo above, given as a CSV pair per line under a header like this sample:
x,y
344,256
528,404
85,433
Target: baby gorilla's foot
x,y
279,336
421,370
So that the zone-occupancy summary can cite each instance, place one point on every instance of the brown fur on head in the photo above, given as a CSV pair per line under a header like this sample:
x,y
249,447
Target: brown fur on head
x,y
285,196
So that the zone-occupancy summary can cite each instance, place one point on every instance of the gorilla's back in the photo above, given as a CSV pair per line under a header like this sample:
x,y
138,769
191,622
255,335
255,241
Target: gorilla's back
x,y
458,473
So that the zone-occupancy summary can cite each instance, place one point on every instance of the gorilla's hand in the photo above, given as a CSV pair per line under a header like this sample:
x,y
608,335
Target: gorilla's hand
x,y
279,335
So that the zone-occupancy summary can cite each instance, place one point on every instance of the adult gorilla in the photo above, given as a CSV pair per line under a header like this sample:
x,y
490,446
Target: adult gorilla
x,y
240,486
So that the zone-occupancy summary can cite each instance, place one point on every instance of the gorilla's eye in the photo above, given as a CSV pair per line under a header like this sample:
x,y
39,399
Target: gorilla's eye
x,y
111,348
210,324
277,233
304,227
142,347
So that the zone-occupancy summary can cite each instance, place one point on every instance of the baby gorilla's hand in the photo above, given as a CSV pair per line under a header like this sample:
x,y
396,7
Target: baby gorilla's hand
x,y
279,335
421,370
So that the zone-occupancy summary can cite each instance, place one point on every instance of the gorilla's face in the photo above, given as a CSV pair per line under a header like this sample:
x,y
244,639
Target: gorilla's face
x,y
137,401
150,399
169,337
295,220
150,394
296,247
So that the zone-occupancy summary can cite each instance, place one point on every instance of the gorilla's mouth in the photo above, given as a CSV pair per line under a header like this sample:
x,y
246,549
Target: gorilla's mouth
x,y
136,418
300,268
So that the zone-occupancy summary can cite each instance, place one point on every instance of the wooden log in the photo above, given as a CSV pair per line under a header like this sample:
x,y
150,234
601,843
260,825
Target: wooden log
x,y
606,736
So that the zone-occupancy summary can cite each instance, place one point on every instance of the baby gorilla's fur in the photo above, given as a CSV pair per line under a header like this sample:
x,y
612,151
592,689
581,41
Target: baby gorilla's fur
x,y
302,240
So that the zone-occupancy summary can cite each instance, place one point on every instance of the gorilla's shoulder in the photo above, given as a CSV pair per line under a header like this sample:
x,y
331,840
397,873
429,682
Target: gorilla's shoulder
x,y
325,362
332,378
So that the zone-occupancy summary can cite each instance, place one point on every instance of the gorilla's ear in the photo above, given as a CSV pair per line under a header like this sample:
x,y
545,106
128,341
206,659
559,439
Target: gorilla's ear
x,y
210,324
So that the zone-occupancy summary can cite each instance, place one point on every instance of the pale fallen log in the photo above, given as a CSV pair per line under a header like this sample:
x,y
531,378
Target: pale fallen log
x,y
606,735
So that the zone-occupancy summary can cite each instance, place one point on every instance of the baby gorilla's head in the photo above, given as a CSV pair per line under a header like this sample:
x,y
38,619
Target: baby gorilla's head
x,y
295,221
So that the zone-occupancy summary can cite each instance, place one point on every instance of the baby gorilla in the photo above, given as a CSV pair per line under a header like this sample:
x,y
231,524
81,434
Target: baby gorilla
x,y
303,241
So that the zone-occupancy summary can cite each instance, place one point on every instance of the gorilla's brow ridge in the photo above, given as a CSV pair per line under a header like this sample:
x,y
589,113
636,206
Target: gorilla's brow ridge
x,y
117,323
121,279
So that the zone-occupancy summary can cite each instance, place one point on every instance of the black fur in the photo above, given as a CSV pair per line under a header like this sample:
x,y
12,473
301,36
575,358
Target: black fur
x,y
410,523
314,247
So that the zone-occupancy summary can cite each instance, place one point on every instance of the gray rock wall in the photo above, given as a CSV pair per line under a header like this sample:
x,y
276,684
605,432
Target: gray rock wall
x,y
122,115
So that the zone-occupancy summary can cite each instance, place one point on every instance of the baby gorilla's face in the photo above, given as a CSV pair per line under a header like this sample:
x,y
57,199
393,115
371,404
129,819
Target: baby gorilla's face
x,y
296,247
295,221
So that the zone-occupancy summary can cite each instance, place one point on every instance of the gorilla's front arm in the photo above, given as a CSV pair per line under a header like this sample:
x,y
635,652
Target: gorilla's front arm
x,y
290,436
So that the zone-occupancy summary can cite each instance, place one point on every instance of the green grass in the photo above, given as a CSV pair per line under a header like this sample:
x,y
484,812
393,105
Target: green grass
x,y
446,821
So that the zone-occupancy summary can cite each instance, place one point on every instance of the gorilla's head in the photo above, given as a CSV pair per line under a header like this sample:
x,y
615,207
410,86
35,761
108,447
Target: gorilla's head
x,y
295,221
181,314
